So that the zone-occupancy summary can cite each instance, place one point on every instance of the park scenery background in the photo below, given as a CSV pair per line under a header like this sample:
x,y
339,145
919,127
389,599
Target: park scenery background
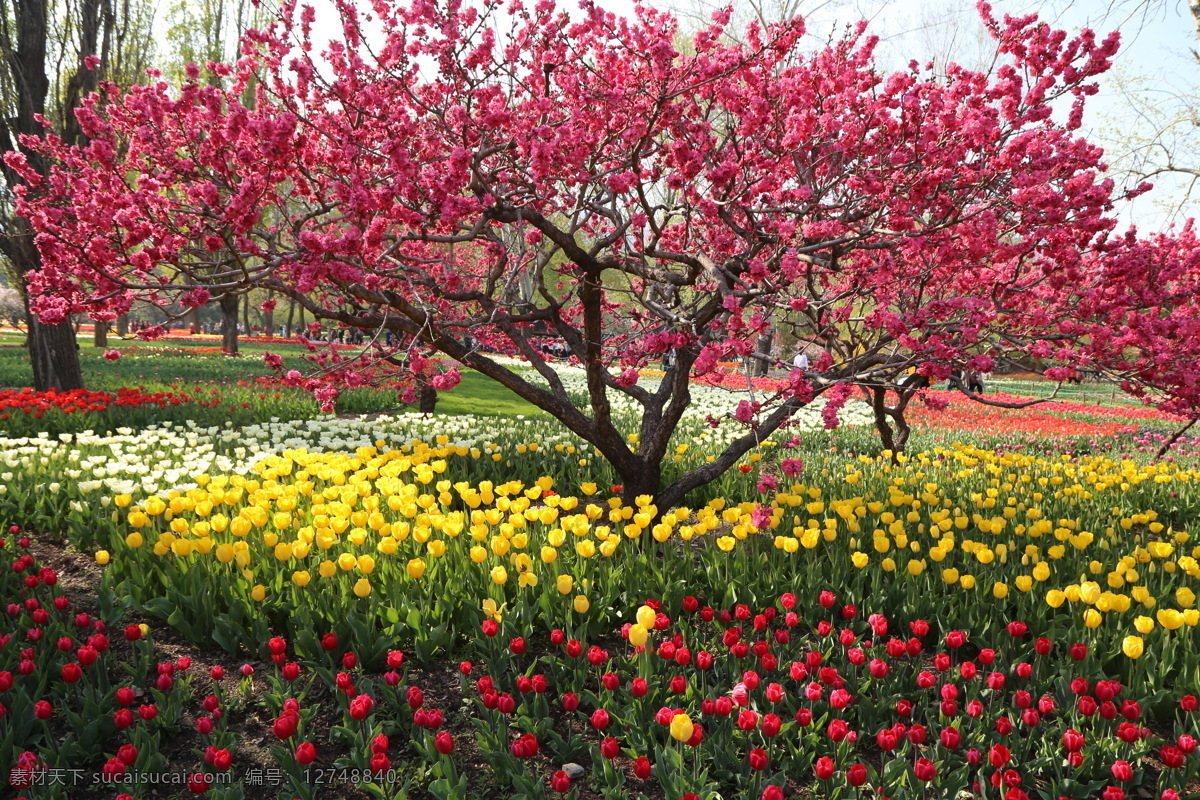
x,y
658,413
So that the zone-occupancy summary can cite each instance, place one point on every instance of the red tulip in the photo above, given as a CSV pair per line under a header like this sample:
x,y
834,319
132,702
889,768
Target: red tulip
x,y
444,742
758,759
642,768
925,770
1172,757
824,768
560,782
610,748
950,738
306,753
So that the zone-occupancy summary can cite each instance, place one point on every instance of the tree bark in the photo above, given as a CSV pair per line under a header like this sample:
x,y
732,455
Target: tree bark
x,y
291,315
763,347
229,323
54,354
123,325
99,334
427,399
879,406
246,314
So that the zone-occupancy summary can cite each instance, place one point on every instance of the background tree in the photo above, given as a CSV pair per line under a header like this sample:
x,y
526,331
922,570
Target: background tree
x,y
48,50
205,33
1142,316
925,220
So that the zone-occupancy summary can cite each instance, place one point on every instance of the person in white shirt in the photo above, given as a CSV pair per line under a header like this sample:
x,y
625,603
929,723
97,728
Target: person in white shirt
x,y
801,360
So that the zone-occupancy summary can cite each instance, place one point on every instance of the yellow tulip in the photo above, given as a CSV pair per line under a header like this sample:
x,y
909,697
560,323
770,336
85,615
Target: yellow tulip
x,y
301,578
1143,624
102,557
416,568
638,635
258,593
499,576
581,604
362,587
1132,646
682,727
1170,619
565,584
646,616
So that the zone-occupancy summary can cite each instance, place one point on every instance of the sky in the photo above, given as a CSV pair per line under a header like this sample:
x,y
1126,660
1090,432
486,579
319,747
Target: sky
x,y
1145,102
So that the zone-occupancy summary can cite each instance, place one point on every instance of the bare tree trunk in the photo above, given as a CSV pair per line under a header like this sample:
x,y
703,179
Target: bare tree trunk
x,y
229,323
99,334
290,316
194,316
246,313
123,325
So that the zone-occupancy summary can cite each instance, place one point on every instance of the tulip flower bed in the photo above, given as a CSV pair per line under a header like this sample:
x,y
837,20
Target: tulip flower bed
x,y
440,606
793,696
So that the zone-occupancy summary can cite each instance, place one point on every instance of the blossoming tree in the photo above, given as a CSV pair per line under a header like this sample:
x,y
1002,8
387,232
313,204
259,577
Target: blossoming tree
x,y
473,179
1139,319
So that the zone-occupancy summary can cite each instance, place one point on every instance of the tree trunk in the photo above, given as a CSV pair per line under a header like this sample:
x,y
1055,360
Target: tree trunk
x,y
246,314
54,354
879,407
426,399
290,316
99,334
763,348
643,480
194,323
229,323
123,325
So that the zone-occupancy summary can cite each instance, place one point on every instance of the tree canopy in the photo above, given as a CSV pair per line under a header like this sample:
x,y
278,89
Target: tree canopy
x,y
473,178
